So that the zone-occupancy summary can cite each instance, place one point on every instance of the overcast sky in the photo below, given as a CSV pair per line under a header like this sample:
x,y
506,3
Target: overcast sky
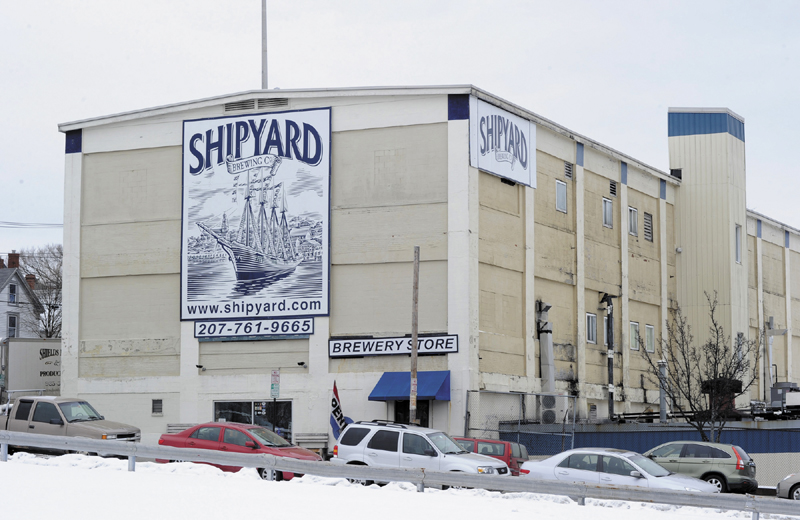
x,y
605,69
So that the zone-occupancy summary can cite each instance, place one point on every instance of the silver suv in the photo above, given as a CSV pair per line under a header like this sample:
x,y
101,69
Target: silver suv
x,y
391,445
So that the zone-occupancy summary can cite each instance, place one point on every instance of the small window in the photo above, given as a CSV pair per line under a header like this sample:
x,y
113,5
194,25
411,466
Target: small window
x,y
617,466
12,326
12,293
23,410
44,412
353,436
561,196
158,407
384,440
584,461
650,338
567,170
612,188
634,336
468,445
591,328
608,213
491,448
515,451
633,221
738,244
648,227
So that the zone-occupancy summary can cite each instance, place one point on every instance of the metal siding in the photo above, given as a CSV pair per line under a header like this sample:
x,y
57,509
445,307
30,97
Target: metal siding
x,y
682,123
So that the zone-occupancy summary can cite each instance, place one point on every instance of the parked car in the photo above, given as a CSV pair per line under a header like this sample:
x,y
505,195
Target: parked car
x,y
613,467
512,453
391,445
238,438
789,487
65,416
726,466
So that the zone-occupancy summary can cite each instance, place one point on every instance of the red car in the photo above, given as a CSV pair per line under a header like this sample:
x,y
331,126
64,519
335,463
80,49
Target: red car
x,y
238,438
511,453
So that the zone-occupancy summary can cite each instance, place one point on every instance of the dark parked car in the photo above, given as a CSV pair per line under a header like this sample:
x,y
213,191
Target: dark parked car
x,y
726,466
512,453
238,438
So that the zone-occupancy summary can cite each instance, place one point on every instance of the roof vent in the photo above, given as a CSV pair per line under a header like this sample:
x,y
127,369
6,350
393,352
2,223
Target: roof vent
x,y
273,102
567,170
612,188
247,104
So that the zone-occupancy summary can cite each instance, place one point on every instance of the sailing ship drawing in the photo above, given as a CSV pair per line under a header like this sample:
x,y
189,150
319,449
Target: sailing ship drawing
x,y
261,247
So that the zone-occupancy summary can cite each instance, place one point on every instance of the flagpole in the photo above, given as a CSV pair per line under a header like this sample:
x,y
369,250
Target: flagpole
x,y
412,404
264,44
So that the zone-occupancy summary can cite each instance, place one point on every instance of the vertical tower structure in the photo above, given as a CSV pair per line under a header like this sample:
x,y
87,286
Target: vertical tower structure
x,y
707,150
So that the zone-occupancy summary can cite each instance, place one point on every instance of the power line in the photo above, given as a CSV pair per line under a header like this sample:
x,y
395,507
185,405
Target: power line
x,y
28,225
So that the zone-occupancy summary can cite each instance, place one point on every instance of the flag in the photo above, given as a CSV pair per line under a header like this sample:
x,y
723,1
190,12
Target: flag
x,y
338,420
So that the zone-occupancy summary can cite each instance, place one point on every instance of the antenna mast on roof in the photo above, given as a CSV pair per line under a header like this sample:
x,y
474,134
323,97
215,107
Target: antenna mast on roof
x,y
264,44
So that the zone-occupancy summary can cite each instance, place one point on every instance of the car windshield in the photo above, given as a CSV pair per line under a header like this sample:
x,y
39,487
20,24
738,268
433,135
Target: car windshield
x,y
653,468
269,437
445,443
78,411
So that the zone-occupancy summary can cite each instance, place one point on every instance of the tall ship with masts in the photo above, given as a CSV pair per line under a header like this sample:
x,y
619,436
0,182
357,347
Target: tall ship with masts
x,y
261,246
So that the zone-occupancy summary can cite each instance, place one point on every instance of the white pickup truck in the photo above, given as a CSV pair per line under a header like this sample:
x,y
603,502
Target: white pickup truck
x,y
66,416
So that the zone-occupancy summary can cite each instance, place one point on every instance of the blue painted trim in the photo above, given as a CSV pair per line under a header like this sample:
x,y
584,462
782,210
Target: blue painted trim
x,y
624,173
786,237
396,386
74,141
663,189
457,107
758,231
686,123
579,154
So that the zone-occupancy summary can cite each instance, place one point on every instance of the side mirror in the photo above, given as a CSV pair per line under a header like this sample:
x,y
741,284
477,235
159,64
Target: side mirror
x,y
102,417
57,421
251,444
651,457
430,453
636,474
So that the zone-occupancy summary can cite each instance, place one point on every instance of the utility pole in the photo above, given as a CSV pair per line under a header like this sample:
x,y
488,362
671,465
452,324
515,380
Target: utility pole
x,y
607,299
412,403
264,44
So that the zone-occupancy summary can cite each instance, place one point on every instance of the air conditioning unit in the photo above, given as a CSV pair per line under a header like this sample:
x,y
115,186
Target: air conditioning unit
x,y
553,409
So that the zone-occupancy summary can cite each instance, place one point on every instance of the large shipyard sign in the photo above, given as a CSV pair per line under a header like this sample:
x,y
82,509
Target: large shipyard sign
x,y
502,143
256,210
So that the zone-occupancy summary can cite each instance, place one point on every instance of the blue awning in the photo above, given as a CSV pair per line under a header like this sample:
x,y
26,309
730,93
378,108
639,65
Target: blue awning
x,y
396,386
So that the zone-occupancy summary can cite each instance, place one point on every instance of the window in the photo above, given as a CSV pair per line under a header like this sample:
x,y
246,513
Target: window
x,y
670,450
468,445
738,244
584,461
206,434
45,412
415,444
617,466
236,437
384,440
591,328
650,338
23,410
608,213
634,336
272,415
633,221
158,407
12,326
353,436
561,196
648,227
491,448
12,293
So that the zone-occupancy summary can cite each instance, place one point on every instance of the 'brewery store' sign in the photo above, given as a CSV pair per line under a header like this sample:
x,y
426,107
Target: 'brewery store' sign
x,y
445,344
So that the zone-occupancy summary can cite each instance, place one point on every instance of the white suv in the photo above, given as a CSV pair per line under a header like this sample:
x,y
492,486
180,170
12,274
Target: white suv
x,y
391,445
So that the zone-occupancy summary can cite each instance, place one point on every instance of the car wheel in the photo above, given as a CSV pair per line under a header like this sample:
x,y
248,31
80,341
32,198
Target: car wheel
x,y
717,480
363,482
266,474
794,493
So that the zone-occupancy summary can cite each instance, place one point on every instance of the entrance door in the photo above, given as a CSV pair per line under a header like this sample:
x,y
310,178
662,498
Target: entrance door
x,y
401,412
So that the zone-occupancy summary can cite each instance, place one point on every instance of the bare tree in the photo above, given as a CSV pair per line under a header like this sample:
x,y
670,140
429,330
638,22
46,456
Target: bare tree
x,y
44,263
702,382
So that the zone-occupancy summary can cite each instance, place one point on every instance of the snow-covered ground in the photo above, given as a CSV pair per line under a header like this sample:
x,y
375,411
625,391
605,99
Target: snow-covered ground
x,y
80,487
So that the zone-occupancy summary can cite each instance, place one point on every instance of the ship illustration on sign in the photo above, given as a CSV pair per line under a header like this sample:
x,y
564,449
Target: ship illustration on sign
x,y
261,247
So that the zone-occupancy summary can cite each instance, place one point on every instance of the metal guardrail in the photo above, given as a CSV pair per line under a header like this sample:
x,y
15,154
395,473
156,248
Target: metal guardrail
x,y
419,477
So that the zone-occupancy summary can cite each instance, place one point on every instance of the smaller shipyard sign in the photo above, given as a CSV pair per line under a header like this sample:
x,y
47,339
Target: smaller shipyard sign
x,y
359,347
502,143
